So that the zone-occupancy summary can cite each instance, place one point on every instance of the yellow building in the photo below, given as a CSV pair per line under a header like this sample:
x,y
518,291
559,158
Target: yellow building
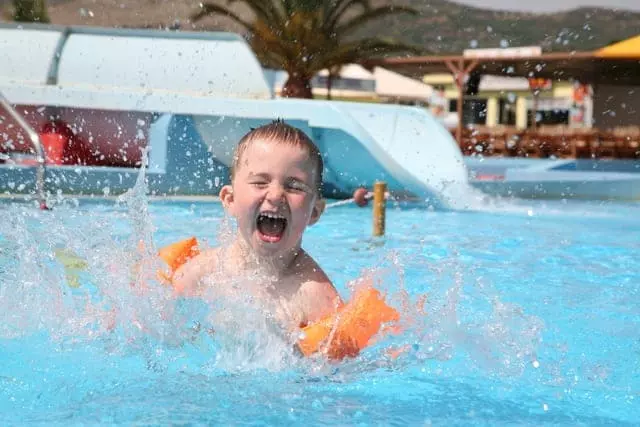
x,y
508,101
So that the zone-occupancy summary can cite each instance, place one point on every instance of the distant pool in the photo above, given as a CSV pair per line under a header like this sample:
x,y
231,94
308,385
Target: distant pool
x,y
533,318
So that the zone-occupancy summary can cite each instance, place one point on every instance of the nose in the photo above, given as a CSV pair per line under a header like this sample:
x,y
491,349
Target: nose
x,y
275,195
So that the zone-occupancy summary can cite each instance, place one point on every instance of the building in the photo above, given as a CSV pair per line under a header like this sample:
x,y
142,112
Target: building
x,y
599,88
509,101
356,83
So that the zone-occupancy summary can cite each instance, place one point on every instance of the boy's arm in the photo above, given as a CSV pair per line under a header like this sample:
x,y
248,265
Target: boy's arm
x,y
186,278
321,298
318,296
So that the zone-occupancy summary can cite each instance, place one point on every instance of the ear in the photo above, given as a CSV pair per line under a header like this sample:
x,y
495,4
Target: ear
x,y
318,209
226,197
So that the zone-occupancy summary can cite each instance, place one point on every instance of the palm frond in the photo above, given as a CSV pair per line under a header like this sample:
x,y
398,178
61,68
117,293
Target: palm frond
x,y
287,6
263,10
306,5
364,49
340,7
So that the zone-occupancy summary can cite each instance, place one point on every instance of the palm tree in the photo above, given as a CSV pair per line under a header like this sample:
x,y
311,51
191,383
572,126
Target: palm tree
x,y
30,11
303,37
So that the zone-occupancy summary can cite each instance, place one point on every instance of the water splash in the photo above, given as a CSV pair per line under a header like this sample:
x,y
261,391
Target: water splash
x,y
88,276
458,319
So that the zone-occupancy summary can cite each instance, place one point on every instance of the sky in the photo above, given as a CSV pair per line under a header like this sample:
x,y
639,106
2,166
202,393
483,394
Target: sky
x,y
552,5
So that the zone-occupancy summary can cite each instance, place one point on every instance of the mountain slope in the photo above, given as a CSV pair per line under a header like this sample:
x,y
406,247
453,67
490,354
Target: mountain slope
x,y
445,26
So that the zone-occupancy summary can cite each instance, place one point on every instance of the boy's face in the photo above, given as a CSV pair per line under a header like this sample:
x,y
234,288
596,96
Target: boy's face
x,y
273,196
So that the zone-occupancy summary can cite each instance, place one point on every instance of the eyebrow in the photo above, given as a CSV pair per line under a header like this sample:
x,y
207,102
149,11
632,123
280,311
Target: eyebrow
x,y
259,175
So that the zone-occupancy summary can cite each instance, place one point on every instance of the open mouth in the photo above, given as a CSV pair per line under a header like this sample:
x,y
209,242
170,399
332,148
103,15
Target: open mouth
x,y
271,226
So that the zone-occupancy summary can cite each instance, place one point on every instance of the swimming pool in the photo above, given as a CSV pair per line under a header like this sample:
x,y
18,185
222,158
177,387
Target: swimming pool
x,y
533,318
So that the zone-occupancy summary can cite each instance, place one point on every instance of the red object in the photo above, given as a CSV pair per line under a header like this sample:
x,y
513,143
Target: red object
x,y
63,147
96,137
538,83
360,197
57,139
54,145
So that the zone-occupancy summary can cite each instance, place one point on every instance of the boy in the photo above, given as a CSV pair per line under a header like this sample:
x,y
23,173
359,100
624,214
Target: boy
x,y
275,193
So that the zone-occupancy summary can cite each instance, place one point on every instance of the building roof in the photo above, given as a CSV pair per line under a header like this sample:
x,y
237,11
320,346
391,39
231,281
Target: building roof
x,y
394,85
352,71
617,64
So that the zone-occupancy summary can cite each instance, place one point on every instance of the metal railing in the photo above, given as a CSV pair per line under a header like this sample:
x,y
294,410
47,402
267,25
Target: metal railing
x,y
37,146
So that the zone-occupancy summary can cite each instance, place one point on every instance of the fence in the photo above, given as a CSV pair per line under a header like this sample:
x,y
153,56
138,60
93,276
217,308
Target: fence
x,y
552,142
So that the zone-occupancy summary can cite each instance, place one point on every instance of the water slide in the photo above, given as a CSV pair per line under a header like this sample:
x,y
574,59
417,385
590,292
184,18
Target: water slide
x,y
189,97
361,143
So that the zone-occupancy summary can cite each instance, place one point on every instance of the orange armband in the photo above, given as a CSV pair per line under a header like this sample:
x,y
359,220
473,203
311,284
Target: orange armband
x,y
351,329
176,255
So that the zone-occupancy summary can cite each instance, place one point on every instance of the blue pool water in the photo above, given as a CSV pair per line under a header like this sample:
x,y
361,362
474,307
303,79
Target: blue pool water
x,y
533,318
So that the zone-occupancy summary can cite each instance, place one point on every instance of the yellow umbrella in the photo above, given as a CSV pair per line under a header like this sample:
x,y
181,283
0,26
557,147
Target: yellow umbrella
x,y
627,49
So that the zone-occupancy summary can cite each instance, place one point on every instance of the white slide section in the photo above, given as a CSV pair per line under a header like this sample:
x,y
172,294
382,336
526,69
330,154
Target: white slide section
x,y
361,143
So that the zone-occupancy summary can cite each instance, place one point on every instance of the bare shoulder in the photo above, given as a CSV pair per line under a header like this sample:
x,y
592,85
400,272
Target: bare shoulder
x,y
186,278
317,290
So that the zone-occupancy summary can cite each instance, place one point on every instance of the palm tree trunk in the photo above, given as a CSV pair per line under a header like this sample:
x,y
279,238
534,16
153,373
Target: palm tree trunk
x,y
30,11
329,84
297,86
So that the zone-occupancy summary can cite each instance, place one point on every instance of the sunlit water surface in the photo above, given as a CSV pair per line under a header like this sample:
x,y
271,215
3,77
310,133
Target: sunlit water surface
x,y
532,317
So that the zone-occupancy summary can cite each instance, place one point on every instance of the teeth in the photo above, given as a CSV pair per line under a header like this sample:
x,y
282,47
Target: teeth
x,y
272,215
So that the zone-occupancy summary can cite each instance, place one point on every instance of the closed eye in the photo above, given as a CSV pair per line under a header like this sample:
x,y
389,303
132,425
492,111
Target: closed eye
x,y
296,185
258,180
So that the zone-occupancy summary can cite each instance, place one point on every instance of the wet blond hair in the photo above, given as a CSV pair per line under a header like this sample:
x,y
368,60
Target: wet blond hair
x,y
278,132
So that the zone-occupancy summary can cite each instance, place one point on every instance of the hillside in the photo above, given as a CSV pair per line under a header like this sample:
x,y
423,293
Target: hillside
x,y
441,27
448,27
